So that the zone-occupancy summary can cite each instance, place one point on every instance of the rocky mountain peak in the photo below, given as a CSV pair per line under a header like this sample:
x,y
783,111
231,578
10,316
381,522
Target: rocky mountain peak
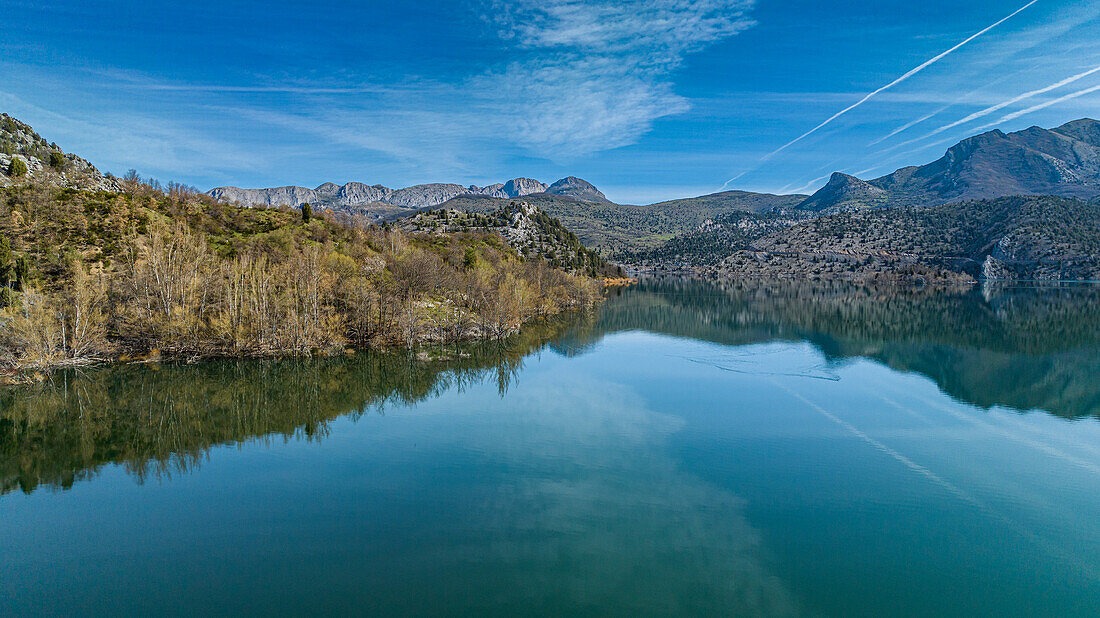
x,y
518,187
844,191
1064,161
380,201
577,188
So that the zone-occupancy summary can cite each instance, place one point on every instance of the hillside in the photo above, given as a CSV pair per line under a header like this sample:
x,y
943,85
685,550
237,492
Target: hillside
x,y
845,192
526,229
1064,161
715,239
619,231
26,155
1021,237
89,274
578,189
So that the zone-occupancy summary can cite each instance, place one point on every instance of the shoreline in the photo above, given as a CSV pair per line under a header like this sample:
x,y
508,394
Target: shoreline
x,y
36,373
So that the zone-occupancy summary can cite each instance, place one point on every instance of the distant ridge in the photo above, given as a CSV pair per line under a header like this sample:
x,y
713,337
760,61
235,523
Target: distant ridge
x,y
1064,161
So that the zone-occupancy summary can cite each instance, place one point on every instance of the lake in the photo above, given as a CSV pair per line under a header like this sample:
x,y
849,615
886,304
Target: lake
x,y
689,448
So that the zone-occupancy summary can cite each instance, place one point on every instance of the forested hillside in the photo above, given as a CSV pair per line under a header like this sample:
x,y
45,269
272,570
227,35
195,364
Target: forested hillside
x,y
86,275
1019,237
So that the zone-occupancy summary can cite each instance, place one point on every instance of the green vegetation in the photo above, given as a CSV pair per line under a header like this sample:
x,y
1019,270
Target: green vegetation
x,y
152,272
19,138
307,212
17,168
57,160
1022,237
715,240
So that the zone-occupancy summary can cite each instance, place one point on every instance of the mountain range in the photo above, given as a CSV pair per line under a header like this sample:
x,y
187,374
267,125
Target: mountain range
x,y
379,200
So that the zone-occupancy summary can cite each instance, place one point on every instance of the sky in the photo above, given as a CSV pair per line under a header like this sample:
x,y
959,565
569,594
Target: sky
x,y
648,100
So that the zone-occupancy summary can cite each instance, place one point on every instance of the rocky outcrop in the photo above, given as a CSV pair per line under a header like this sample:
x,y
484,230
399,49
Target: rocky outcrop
x,y
523,226
518,187
45,162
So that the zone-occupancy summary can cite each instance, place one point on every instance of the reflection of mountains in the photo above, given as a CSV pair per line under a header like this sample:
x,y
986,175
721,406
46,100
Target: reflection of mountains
x,y
1034,348
159,419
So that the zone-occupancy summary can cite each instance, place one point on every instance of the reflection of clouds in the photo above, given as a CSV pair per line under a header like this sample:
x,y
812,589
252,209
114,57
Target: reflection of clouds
x,y
588,507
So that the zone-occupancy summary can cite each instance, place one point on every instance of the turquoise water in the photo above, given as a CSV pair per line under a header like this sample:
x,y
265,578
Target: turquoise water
x,y
738,450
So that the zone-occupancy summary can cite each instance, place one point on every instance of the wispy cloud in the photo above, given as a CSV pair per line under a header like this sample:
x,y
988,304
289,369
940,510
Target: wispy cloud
x,y
596,75
580,77
917,69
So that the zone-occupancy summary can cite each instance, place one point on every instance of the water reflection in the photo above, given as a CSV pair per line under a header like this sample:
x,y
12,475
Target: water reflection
x,y
1021,348
1025,348
161,419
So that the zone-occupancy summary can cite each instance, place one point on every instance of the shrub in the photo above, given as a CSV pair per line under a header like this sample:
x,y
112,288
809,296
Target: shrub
x,y
57,160
17,168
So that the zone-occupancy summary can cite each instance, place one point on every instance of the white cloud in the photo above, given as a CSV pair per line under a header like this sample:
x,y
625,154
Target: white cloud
x,y
596,75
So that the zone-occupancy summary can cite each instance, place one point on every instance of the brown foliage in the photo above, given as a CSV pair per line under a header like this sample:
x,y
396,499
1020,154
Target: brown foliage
x,y
176,273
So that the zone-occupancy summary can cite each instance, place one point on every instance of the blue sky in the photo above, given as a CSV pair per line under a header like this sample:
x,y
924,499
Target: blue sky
x,y
648,100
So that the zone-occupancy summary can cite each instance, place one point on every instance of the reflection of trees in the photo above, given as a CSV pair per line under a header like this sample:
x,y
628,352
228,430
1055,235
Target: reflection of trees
x,y
161,419
1018,347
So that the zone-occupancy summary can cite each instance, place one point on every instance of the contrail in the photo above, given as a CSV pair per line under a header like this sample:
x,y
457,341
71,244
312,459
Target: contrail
x,y
866,98
897,81
809,185
1017,99
1035,108
905,126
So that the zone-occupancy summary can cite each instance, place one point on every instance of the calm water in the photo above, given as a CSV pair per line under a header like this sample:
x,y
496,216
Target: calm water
x,y
750,450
